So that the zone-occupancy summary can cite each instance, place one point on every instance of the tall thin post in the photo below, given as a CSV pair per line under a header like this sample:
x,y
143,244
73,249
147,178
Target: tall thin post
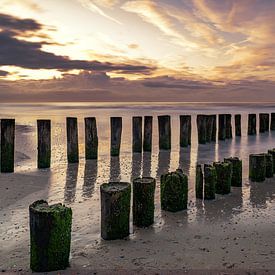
x,y
201,126
272,125
44,143
251,129
137,134
228,131
116,129
238,125
7,145
222,127
164,124
185,127
214,128
91,138
72,140
147,138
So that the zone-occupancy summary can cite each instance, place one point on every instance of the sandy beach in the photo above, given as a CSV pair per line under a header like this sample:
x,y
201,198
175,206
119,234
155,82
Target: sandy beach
x,y
233,234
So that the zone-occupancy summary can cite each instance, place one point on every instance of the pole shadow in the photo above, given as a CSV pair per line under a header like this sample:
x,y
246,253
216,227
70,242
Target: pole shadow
x,y
71,181
90,176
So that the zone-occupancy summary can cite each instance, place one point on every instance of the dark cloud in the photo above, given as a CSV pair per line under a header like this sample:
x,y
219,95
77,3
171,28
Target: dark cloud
x,y
26,54
3,73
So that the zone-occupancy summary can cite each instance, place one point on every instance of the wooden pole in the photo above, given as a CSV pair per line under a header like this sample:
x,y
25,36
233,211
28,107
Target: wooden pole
x,y
224,177
143,201
228,131
137,134
272,152
210,181
7,145
148,129
214,128
199,182
164,124
44,143
238,125
262,120
91,138
209,127
236,171
174,191
72,140
50,234
251,130
116,129
222,127
272,125
115,210
185,128
257,167
268,165
201,126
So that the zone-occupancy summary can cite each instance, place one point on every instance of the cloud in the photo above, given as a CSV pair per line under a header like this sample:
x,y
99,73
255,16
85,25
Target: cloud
x,y
3,73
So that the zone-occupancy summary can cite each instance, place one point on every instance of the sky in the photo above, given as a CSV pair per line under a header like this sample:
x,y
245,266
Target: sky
x,y
97,50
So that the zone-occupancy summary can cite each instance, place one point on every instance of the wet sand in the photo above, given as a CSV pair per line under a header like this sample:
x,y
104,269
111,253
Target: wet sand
x,y
234,233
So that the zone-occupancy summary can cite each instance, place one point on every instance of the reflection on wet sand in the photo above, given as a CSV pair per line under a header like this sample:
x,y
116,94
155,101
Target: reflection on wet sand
x,y
136,166
71,181
185,159
261,193
90,175
164,159
115,174
146,164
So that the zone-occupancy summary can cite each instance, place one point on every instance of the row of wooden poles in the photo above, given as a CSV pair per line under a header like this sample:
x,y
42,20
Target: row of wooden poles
x,y
50,226
206,128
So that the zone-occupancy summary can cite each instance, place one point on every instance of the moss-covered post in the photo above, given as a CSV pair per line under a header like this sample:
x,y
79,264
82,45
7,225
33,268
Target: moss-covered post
x,y
268,165
164,124
174,191
272,124
238,125
72,140
116,129
185,127
147,135
50,236
222,127
137,134
201,126
224,177
44,143
272,152
199,182
236,171
115,210
210,181
228,131
251,128
214,128
257,167
91,138
143,201
7,145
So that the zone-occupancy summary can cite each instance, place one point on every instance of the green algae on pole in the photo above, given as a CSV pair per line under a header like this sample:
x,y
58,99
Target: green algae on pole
x,y
72,140
91,138
44,143
164,124
257,167
272,124
50,236
222,127
143,201
228,126
251,128
268,165
210,181
147,134
238,125
7,145
272,152
201,128
199,182
224,177
185,128
236,171
174,191
115,210
116,129
137,134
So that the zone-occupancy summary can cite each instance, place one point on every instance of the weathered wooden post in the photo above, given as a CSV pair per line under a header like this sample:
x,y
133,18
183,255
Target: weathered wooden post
x,y
224,177
185,127
7,145
143,201
228,131
238,125
137,134
164,125
267,122
272,124
272,152
214,128
209,127
116,129
268,165
210,181
201,126
50,236
115,210
222,127
262,121
174,191
257,167
91,138
44,143
236,171
147,138
199,182
72,140
251,129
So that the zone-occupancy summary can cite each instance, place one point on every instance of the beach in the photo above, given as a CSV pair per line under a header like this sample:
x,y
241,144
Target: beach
x,y
233,233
